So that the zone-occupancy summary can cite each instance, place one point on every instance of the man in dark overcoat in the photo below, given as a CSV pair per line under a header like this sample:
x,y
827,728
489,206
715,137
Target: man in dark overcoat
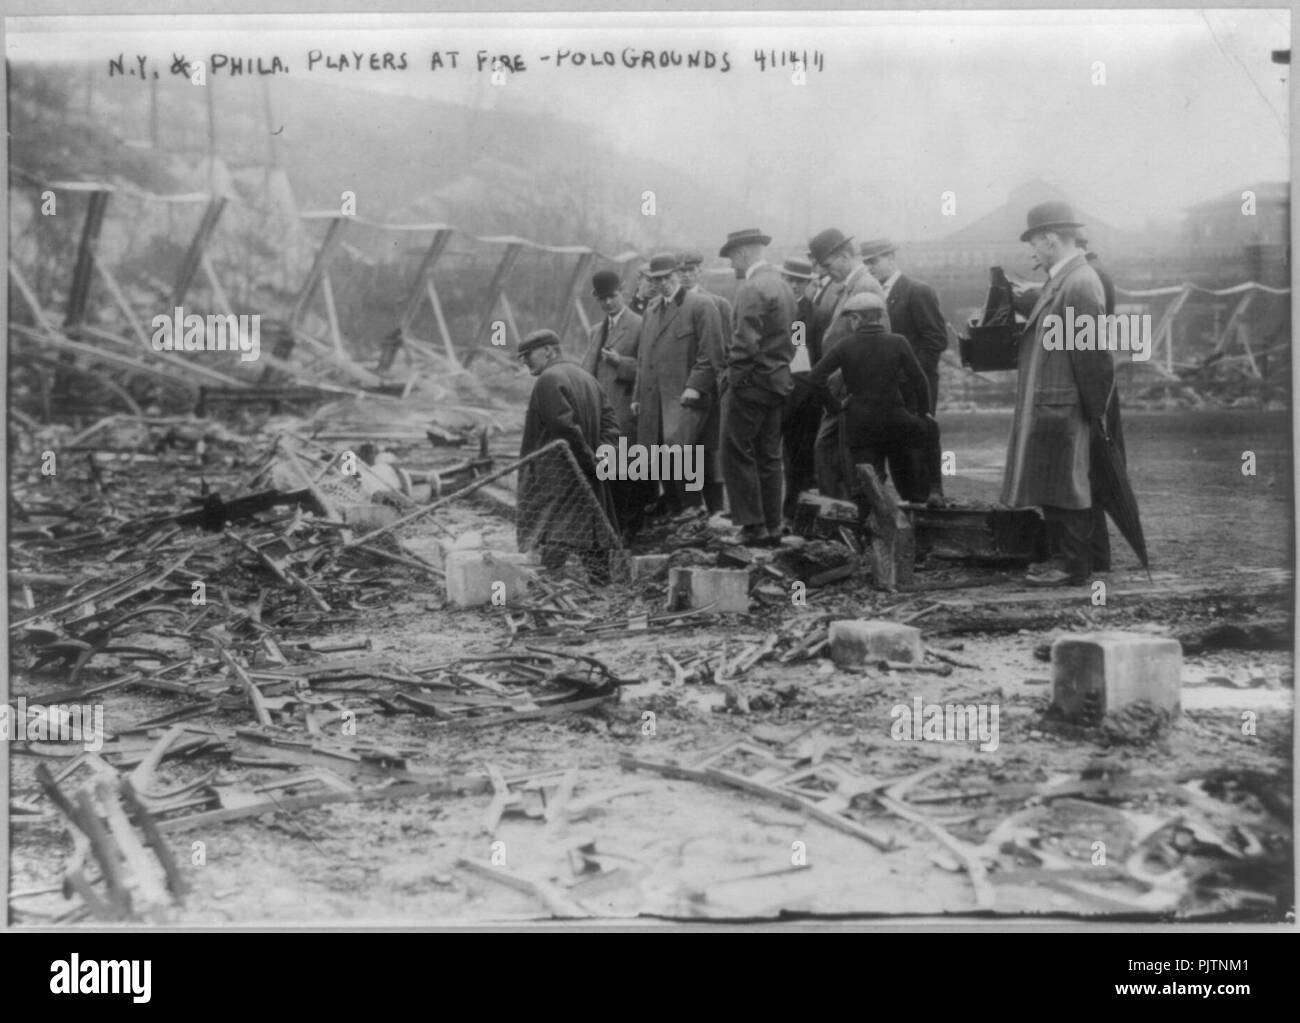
x,y
914,313
679,359
611,358
1060,395
559,512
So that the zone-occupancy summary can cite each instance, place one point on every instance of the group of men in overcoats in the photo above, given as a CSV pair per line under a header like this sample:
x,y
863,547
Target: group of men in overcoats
x,y
815,367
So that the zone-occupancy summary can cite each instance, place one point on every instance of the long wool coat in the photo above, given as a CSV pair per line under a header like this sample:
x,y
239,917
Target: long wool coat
x,y
555,506
680,346
617,380
1058,394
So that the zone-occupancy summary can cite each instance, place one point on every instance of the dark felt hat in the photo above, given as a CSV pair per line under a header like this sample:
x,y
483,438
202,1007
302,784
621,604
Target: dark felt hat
x,y
605,283
877,247
749,236
1048,215
538,339
689,258
661,265
827,243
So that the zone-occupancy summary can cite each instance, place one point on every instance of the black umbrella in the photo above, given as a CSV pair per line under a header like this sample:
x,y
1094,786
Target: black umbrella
x,y
1112,490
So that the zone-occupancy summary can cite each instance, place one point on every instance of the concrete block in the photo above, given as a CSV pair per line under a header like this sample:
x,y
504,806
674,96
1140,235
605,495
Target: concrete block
x,y
727,589
1095,673
855,641
646,566
470,575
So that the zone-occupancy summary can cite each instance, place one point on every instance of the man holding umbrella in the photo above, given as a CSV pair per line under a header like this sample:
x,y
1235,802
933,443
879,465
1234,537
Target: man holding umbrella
x,y
1063,398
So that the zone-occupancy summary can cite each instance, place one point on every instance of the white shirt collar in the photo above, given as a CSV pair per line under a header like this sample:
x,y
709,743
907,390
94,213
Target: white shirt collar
x,y
755,268
1056,267
888,282
618,315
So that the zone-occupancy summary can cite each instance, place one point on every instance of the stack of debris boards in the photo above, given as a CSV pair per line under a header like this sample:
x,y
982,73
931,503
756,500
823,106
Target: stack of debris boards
x,y
215,610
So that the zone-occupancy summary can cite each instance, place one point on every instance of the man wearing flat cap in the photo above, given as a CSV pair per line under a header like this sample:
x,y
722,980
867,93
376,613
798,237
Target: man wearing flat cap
x,y
914,313
1060,394
611,358
833,252
759,352
679,358
558,513
877,368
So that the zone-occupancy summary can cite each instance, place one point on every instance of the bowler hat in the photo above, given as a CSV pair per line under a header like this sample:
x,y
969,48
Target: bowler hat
x,y
824,245
877,247
689,258
605,283
749,236
1048,215
538,339
661,265
799,269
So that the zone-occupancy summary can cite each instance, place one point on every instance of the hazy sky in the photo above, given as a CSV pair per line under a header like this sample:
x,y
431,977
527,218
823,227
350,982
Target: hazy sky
x,y
906,106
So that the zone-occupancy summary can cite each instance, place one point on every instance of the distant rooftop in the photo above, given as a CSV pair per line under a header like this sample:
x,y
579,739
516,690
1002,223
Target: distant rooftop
x,y
1265,192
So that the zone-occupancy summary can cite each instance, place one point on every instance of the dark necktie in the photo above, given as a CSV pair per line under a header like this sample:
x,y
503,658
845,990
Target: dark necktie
x,y
604,334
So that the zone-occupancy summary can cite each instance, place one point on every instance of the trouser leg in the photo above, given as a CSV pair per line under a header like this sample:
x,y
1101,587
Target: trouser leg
x,y
671,500
630,499
872,456
1068,537
767,452
750,417
688,499
801,417
828,457
932,449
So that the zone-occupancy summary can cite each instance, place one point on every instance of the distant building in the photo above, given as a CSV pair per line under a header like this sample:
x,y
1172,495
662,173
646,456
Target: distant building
x,y
1256,245
1221,221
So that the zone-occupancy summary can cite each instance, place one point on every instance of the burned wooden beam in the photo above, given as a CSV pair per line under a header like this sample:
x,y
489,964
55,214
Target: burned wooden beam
x,y
215,512
79,289
714,776
450,786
